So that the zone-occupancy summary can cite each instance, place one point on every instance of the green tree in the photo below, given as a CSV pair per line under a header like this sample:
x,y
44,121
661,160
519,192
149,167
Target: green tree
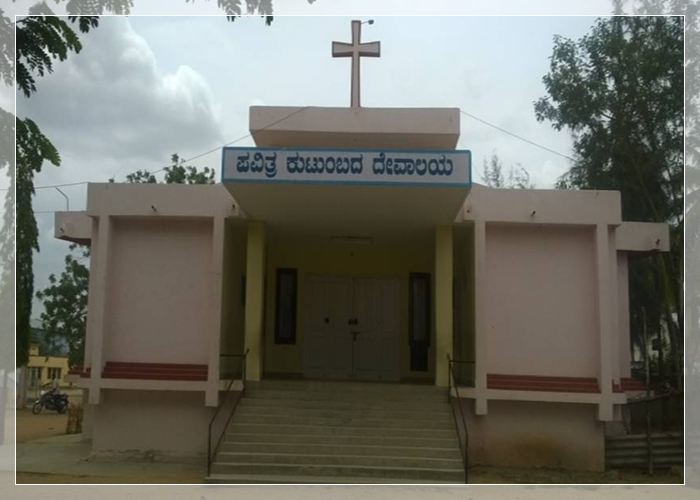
x,y
65,300
140,177
177,173
180,173
40,40
518,177
691,10
619,91
65,305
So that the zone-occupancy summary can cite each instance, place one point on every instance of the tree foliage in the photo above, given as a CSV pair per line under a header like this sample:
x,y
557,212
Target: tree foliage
x,y
33,148
518,177
180,173
40,41
691,10
177,173
65,305
619,91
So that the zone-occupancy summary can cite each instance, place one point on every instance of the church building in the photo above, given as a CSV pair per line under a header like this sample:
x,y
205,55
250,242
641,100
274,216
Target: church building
x,y
346,302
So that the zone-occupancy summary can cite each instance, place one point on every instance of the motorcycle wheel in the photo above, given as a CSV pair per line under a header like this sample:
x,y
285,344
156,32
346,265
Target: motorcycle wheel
x,y
37,407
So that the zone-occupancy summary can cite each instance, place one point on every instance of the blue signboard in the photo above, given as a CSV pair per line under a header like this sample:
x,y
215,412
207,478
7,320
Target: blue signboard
x,y
347,166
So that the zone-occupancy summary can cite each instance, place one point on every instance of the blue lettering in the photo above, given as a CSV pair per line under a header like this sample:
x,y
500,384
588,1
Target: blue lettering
x,y
356,165
421,162
330,165
293,164
242,164
378,166
271,165
258,163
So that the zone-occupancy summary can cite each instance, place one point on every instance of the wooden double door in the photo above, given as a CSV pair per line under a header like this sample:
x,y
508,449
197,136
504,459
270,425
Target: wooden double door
x,y
353,329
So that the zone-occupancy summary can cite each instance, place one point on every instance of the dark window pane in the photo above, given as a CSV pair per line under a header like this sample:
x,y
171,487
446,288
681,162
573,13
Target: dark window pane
x,y
286,309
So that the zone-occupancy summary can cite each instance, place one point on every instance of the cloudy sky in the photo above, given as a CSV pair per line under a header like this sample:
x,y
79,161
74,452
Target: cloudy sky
x,y
146,87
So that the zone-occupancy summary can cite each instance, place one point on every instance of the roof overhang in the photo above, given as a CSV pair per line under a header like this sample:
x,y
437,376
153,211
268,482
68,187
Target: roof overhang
x,y
75,227
353,195
643,238
395,128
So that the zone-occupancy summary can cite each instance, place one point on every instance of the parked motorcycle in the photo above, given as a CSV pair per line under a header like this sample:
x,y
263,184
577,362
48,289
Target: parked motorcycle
x,y
51,400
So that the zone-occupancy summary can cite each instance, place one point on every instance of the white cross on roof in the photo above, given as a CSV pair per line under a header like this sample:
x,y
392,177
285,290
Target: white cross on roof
x,y
355,50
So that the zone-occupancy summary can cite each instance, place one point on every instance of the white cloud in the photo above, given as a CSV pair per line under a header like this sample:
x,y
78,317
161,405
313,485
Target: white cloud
x,y
112,104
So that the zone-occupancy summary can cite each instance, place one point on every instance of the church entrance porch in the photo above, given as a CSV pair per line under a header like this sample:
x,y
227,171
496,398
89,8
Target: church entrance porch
x,y
342,311
353,234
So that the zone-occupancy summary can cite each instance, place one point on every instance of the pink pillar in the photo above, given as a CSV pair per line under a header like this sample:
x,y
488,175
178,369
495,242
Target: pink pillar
x,y
605,320
97,299
216,282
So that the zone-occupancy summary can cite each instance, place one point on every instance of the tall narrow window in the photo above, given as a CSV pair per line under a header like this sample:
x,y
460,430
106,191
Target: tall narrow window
x,y
286,307
419,319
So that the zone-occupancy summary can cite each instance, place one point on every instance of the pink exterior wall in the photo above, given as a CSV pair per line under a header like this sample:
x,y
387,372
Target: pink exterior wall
x,y
157,298
464,295
232,308
174,423
536,434
540,301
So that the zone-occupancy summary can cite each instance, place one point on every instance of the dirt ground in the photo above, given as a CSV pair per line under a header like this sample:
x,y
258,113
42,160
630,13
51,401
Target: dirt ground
x,y
504,475
480,475
31,478
45,424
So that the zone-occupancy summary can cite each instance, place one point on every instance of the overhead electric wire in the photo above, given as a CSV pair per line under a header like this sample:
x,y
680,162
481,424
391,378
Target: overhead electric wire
x,y
516,135
533,143
189,159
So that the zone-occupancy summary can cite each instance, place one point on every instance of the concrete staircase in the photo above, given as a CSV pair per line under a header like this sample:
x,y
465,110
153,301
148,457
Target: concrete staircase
x,y
342,433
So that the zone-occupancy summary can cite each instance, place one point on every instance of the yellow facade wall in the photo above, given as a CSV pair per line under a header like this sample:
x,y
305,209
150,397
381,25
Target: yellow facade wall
x,y
443,303
43,364
255,300
232,306
464,347
360,261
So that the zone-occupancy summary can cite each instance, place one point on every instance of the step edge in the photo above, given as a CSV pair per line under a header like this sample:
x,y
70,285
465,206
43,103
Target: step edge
x,y
236,453
237,443
368,467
